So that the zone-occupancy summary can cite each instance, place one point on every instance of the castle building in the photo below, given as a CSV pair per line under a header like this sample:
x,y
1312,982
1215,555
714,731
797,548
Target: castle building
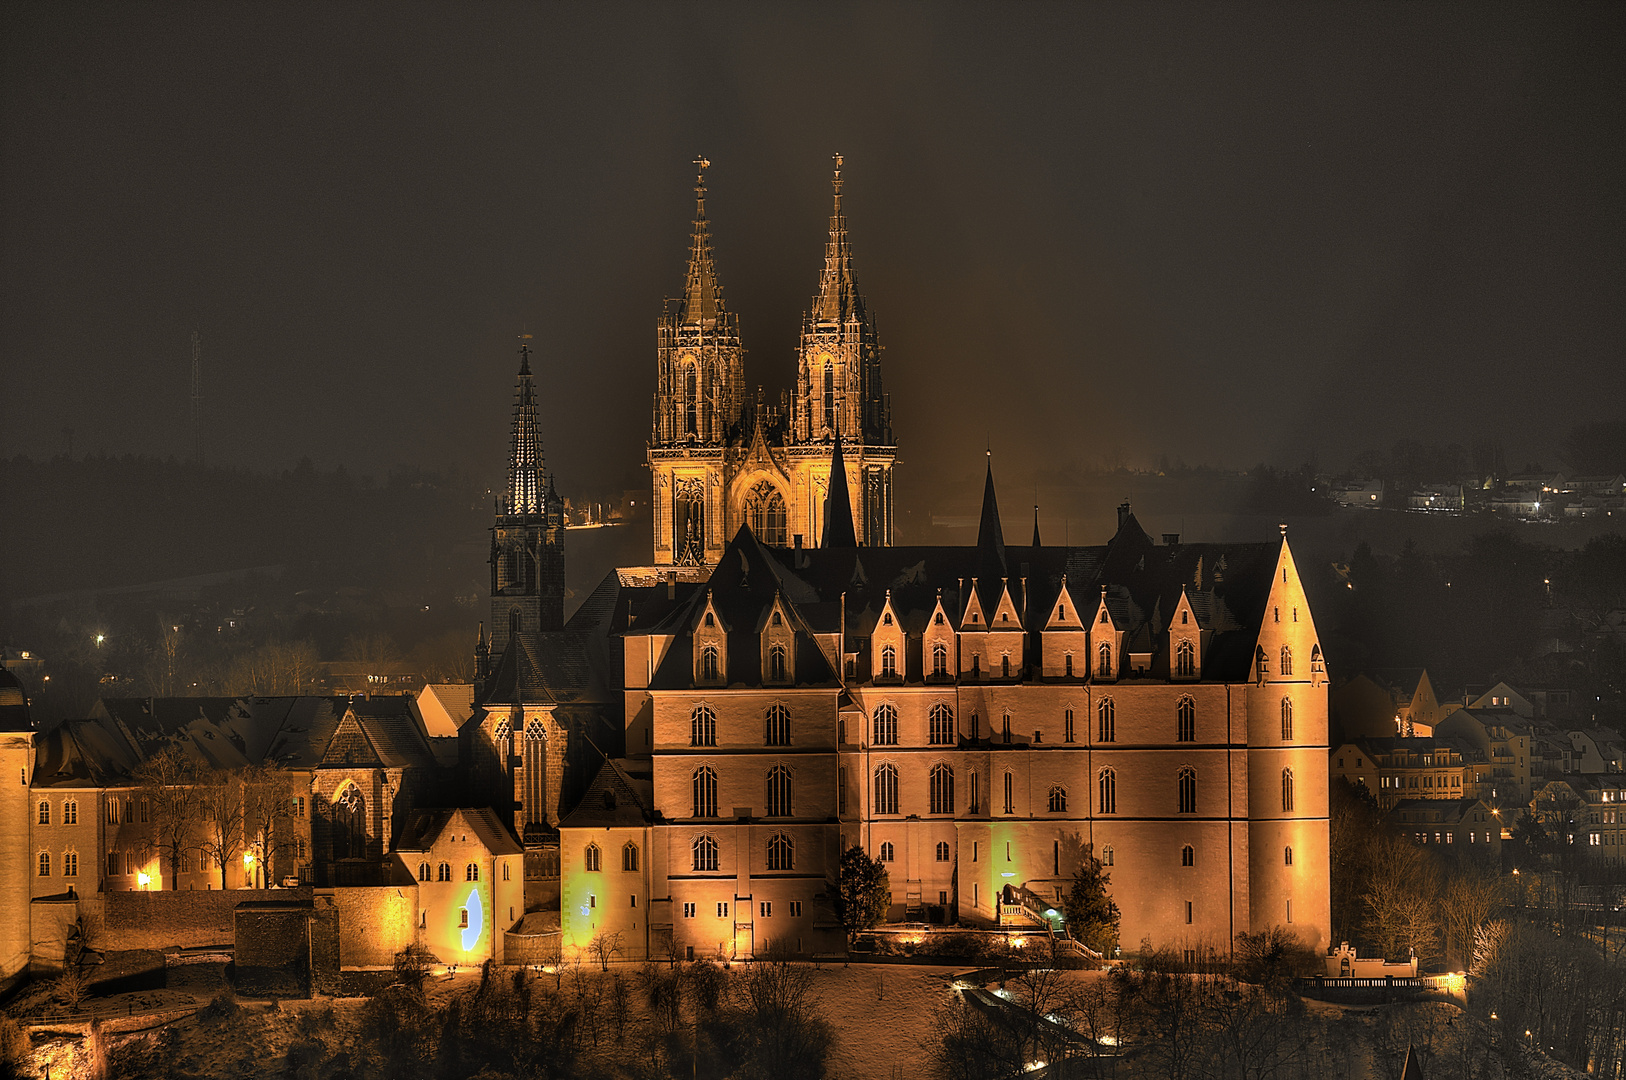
x,y
16,833
719,460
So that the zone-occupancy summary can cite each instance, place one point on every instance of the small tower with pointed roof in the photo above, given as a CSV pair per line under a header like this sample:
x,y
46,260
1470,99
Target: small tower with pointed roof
x,y
528,535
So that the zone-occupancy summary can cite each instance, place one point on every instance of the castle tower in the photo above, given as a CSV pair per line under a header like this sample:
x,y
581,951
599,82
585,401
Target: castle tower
x,y
528,536
838,382
16,828
699,407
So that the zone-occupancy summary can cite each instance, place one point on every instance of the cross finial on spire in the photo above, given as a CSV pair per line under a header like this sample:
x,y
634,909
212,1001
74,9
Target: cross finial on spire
x,y
836,183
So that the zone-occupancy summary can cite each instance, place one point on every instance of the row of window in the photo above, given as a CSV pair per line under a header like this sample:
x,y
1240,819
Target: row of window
x,y
70,812
70,864
1188,854
781,854
443,872
129,809
764,909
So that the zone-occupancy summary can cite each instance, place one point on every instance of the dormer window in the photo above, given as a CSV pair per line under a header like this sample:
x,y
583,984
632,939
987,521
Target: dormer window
x,y
1004,616
710,619
889,662
1103,616
778,620
938,619
1185,660
1185,618
1061,611
708,662
886,619
776,663
975,617
939,659
1104,668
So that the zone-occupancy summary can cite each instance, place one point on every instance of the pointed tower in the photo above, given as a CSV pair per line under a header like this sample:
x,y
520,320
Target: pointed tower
x,y
528,536
699,405
990,535
838,510
838,382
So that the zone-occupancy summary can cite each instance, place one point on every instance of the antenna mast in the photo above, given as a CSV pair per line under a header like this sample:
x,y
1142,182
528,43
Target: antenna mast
x,y
197,398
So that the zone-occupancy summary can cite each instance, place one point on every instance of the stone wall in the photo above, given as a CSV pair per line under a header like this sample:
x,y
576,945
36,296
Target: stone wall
x,y
273,947
374,923
161,920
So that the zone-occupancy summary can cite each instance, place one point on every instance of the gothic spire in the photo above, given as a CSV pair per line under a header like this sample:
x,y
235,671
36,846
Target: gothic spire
x,y
526,487
990,536
838,507
838,298
1035,522
701,302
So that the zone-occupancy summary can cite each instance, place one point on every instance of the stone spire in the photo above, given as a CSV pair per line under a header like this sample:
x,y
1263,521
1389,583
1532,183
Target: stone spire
x,y
990,536
838,508
1035,522
702,303
526,484
838,300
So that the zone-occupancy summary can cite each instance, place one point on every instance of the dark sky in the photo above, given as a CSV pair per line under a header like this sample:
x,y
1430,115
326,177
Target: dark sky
x,y
1224,233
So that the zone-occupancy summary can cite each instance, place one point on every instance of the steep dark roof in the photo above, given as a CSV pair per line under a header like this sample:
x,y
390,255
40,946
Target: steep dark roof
x,y
618,797
543,667
424,827
13,704
838,507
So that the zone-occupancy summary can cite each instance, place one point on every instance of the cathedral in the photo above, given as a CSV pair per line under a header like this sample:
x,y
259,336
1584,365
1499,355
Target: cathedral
x,y
719,458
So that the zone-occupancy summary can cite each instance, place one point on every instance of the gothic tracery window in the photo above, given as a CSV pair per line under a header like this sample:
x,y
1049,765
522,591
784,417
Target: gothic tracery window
x,y
941,727
705,853
350,824
1186,720
1188,790
886,790
705,792
765,513
1108,802
778,726
886,726
702,727
942,790
781,853
779,792
1186,660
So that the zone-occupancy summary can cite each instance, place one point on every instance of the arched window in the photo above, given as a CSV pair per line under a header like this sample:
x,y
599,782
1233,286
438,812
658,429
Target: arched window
x,y
1287,791
778,726
709,671
1104,656
942,851
1068,659
1005,665
781,853
1058,800
886,851
889,662
776,664
70,812
1186,720
1106,855
1315,660
779,792
765,513
976,665
886,726
1289,856
45,812
1188,856
471,872
45,864
629,856
886,790
535,763
702,726
1010,803
939,659
1185,660
940,729
1287,660
592,858
705,853
1106,727
689,395
350,824
705,792
829,398
1067,720
942,789
1109,792
424,873
1287,719
443,872
1188,790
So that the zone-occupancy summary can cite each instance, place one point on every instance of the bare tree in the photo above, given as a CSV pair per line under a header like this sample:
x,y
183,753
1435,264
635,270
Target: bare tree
x,y
169,790
270,825
604,945
220,804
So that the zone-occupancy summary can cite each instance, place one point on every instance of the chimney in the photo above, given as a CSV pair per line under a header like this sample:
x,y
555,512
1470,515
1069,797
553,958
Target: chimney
x,y
1123,513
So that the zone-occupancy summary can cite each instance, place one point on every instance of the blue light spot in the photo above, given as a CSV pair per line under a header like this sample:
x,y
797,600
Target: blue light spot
x,y
471,933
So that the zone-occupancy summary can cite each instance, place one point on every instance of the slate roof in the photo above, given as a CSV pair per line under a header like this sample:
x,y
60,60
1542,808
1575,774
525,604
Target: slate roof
x,y
543,667
620,796
423,828
1432,811
1227,586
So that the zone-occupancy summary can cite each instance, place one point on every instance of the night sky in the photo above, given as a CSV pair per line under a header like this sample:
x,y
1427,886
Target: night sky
x,y
1222,233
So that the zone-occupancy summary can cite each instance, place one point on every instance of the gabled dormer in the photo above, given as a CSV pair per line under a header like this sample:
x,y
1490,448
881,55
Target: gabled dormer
x,y
710,635
1006,636
777,636
973,618
1185,642
973,636
937,646
886,643
1005,616
1106,642
1064,642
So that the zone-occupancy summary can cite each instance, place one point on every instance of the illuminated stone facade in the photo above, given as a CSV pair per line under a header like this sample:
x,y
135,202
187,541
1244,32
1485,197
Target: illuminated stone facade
x,y
973,717
719,460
